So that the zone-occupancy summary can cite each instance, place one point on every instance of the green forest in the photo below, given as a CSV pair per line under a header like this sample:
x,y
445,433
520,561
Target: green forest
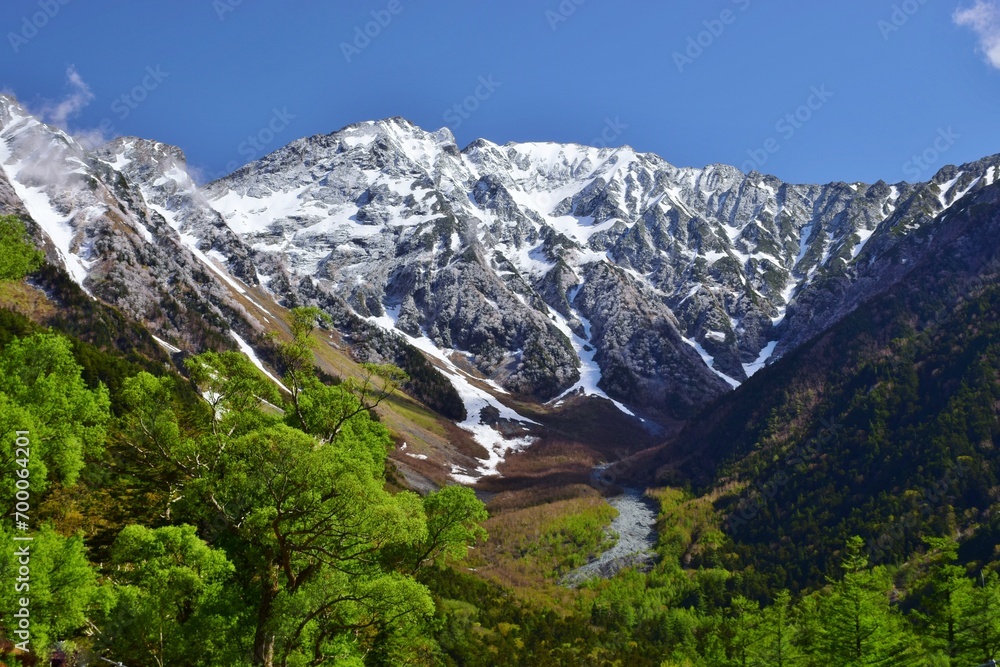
x,y
215,519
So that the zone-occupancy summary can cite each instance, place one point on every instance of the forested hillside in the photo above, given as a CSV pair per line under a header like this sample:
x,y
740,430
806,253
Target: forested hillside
x,y
213,519
841,508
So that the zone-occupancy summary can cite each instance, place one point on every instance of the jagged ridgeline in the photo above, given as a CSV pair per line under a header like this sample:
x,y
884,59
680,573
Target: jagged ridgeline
x,y
545,267
184,494
884,426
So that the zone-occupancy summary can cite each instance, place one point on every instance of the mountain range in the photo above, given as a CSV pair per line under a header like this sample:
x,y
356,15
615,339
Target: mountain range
x,y
529,275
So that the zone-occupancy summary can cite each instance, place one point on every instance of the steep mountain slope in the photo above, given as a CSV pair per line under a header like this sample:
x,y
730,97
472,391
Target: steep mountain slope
x,y
494,250
524,273
132,231
886,425
112,242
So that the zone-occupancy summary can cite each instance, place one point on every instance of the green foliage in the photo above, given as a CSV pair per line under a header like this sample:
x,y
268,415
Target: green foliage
x,y
240,396
856,623
40,376
324,555
18,256
875,429
268,536
454,518
169,600
979,620
60,586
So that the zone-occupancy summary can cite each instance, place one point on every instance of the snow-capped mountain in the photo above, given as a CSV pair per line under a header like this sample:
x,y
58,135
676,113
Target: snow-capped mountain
x,y
534,269
113,240
669,285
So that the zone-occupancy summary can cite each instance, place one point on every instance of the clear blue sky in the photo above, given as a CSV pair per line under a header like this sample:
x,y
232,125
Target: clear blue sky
x,y
225,66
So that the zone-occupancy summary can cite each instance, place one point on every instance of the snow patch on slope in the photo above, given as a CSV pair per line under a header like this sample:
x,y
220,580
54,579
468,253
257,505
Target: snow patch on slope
x,y
166,346
865,235
475,400
710,362
765,354
247,350
590,371
55,225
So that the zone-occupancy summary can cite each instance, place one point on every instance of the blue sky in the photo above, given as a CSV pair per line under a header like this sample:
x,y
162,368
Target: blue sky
x,y
808,91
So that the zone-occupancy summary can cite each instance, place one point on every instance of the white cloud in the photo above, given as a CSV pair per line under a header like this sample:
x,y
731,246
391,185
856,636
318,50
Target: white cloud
x,y
59,113
984,19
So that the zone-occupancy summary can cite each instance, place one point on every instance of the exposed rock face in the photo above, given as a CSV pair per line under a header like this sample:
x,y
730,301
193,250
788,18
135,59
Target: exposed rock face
x,y
546,267
118,245
675,276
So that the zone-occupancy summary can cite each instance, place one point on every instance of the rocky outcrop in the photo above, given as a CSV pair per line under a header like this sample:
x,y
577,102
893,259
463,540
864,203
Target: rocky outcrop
x,y
545,267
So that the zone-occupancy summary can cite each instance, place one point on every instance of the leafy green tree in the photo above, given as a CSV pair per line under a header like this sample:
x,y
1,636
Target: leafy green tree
x,y
150,429
454,518
296,356
777,634
311,522
49,421
18,256
858,625
39,375
943,595
230,383
170,601
323,410
60,587
304,517
979,627
743,630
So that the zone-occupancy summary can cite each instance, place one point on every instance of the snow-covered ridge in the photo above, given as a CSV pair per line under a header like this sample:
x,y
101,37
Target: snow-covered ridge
x,y
491,252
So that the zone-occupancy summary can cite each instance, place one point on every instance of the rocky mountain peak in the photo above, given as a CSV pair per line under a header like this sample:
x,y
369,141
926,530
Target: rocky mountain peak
x,y
537,269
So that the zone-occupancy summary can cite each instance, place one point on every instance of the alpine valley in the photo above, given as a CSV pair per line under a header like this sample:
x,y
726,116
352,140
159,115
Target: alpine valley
x,y
754,371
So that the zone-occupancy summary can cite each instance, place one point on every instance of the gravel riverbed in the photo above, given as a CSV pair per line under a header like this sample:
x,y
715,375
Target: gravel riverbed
x,y
635,526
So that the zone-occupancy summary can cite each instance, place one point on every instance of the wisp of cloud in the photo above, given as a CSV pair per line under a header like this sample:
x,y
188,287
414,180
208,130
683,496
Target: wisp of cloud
x,y
79,97
984,19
